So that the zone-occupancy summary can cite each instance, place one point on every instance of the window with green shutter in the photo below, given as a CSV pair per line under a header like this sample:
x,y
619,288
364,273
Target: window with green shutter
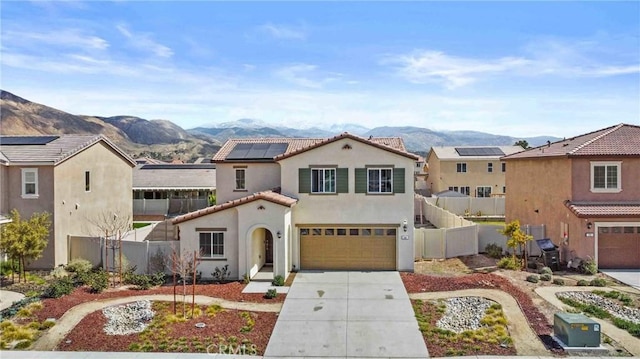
x,y
361,180
398,180
343,180
304,180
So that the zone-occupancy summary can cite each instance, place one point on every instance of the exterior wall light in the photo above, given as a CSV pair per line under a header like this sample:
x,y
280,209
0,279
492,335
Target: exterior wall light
x,y
279,234
404,225
589,225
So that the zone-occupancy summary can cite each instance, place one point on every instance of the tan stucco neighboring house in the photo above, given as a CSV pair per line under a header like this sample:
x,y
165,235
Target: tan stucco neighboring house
x,y
586,191
75,178
339,203
476,171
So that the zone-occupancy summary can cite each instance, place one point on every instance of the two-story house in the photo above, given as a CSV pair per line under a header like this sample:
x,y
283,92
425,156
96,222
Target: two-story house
x,y
75,178
340,203
586,190
475,171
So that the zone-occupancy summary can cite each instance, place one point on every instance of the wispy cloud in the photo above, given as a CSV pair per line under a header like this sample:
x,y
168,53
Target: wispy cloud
x,y
299,74
144,42
68,38
284,32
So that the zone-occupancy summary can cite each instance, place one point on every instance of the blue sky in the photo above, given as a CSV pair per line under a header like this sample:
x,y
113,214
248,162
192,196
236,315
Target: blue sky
x,y
514,68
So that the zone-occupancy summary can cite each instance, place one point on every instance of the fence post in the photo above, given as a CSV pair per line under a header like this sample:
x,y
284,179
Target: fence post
x,y
147,257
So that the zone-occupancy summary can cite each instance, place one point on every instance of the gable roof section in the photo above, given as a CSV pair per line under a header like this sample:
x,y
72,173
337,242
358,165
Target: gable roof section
x,y
604,209
300,145
55,151
272,196
175,177
618,140
445,153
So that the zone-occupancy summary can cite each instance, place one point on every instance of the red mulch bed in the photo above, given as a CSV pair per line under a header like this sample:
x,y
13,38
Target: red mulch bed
x,y
417,283
56,307
88,335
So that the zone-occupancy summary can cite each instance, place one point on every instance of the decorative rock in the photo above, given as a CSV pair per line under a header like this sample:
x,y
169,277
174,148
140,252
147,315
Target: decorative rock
x,y
464,313
200,325
619,311
127,318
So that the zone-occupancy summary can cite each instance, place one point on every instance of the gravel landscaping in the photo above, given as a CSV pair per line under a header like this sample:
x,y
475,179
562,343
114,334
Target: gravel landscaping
x,y
128,318
464,313
616,310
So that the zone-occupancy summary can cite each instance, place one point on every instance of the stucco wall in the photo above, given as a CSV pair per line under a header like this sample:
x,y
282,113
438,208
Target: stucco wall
x,y
476,175
110,192
582,180
351,208
258,177
4,190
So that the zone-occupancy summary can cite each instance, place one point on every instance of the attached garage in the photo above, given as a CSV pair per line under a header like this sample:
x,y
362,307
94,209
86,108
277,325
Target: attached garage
x,y
619,247
348,247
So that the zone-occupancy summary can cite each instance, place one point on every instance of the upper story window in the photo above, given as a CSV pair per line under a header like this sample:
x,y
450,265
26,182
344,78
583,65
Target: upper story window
x,y
323,180
211,244
461,167
606,176
241,179
490,167
29,183
380,180
87,181
504,166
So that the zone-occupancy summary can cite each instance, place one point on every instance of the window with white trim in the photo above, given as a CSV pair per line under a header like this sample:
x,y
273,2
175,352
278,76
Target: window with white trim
x,y
241,179
211,244
465,190
606,176
504,166
379,180
323,180
461,167
490,167
29,182
483,191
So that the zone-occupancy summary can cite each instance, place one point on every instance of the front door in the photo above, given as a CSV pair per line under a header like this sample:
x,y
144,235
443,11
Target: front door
x,y
268,244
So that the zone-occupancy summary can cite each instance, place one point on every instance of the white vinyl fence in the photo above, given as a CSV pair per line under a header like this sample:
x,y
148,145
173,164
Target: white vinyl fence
x,y
144,255
488,234
481,207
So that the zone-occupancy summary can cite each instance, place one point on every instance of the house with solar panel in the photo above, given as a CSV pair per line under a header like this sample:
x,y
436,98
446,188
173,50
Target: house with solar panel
x,y
586,191
340,203
75,178
475,171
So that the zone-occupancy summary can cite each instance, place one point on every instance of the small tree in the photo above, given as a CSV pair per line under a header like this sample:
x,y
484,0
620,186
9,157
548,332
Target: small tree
x,y
522,143
111,226
184,266
517,239
25,241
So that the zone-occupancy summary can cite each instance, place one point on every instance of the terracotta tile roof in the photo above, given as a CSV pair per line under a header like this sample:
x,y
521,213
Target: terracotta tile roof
x,y
272,196
299,145
56,151
604,209
618,140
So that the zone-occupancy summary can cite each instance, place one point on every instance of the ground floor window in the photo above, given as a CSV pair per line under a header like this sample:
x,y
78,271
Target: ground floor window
x,y
483,191
211,244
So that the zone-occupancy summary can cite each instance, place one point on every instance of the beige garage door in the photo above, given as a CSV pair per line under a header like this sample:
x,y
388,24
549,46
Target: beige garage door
x,y
619,247
347,248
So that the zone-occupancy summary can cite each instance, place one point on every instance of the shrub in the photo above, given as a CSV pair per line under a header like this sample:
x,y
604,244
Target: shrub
x,y
141,281
221,274
545,270
589,267
59,272
582,283
558,281
98,281
493,250
8,267
532,278
78,266
598,282
545,277
246,279
58,288
16,306
509,263
158,279
271,293
278,281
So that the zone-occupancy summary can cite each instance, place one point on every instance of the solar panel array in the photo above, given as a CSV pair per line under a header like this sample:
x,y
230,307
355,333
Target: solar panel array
x,y
257,151
26,140
479,151
174,166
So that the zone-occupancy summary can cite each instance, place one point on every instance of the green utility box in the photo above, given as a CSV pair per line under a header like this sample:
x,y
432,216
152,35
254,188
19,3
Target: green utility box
x,y
576,330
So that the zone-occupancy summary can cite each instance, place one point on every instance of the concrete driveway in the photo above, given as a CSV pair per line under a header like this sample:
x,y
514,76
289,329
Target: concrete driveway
x,y
630,277
347,314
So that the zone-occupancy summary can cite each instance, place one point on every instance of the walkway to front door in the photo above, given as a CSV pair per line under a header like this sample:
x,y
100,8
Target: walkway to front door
x,y
347,314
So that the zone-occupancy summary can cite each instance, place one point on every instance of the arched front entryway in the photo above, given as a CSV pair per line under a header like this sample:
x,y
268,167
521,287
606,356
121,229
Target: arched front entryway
x,y
262,255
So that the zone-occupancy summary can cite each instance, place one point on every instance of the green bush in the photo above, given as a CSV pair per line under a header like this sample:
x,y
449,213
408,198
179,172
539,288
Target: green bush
x,y
16,306
271,293
221,274
545,277
509,263
558,281
598,282
98,281
278,281
532,278
8,267
589,267
141,281
58,288
583,283
493,250
59,272
545,270
79,265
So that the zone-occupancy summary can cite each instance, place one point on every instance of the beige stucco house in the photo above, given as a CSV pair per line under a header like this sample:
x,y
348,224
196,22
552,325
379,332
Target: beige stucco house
x,y
340,203
75,178
475,171
586,191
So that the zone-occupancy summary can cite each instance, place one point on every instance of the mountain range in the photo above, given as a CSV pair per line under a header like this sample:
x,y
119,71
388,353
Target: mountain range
x,y
162,139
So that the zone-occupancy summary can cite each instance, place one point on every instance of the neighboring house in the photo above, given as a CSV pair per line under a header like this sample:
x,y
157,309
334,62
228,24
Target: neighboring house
x,y
75,178
340,203
586,191
476,171
167,190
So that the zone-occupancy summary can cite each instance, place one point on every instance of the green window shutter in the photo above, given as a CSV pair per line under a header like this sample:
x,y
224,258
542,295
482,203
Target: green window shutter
x,y
304,180
361,180
342,176
398,180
